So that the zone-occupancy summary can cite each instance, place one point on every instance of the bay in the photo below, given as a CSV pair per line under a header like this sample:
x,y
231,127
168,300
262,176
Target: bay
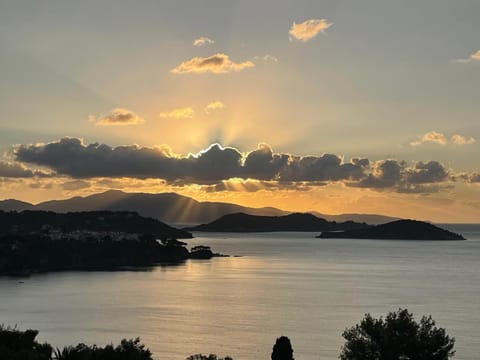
x,y
282,284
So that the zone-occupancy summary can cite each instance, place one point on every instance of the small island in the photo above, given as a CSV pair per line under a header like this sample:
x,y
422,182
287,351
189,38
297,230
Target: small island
x,y
39,241
298,222
396,230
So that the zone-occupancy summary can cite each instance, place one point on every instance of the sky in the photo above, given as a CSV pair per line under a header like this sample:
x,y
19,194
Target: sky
x,y
334,106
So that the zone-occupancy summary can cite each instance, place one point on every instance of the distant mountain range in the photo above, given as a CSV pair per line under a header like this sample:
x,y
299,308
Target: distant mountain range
x,y
169,207
241,222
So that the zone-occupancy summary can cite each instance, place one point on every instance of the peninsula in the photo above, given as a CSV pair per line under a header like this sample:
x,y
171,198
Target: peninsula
x,y
39,241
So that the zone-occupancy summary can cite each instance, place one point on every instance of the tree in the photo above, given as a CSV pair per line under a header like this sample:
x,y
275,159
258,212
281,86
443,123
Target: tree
x,y
21,345
282,350
398,336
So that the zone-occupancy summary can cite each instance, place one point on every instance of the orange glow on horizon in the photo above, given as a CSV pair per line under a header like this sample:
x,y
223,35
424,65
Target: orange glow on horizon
x,y
334,198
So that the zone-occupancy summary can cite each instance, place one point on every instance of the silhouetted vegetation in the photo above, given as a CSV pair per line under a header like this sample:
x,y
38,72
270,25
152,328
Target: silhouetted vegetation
x,y
23,254
126,350
282,349
294,222
38,241
100,221
201,252
21,345
209,357
398,336
397,230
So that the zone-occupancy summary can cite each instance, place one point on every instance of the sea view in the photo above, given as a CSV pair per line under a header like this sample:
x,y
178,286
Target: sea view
x,y
226,180
280,284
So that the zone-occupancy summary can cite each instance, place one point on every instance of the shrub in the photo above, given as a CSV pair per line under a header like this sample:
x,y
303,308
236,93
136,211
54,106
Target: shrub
x,y
209,357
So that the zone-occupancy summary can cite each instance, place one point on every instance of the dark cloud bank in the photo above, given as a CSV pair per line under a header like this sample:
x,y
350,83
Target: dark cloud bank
x,y
71,157
15,170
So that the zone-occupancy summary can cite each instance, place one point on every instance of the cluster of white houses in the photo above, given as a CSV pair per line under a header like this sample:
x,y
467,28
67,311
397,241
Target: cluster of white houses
x,y
58,234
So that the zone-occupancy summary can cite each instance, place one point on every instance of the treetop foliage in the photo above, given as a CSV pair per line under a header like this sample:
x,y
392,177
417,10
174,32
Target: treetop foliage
x,y
397,336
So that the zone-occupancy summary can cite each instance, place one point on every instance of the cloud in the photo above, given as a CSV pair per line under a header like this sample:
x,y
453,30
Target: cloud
x,y
75,185
70,156
215,64
213,106
431,137
16,170
41,185
308,29
116,117
263,164
203,40
475,56
227,167
385,174
251,185
429,172
181,113
267,59
472,58
440,139
474,177
462,140
400,177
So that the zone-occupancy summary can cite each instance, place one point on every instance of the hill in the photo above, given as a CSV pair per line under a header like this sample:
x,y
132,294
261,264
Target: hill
x,y
168,207
39,241
371,219
30,221
15,205
398,230
241,222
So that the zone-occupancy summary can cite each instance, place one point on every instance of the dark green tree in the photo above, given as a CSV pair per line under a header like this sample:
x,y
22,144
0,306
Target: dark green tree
x,y
282,350
21,345
397,336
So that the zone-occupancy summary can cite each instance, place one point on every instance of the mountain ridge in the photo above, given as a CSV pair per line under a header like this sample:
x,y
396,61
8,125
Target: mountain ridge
x,y
169,207
241,222
38,221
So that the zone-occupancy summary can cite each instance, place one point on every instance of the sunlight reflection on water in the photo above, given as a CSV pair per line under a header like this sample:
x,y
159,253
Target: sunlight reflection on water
x,y
288,283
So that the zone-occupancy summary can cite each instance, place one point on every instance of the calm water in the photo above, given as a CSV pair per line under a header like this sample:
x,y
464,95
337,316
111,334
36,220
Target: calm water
x,y
288,283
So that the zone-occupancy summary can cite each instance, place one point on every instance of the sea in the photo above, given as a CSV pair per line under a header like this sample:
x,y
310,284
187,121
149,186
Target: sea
x,y
274,284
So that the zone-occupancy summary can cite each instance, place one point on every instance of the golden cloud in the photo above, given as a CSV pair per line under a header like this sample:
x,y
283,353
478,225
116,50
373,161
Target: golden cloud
x,y
440,139
472,58
216,105
203,40
308,29
117,117
216,64
432,137
462,140
181,113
